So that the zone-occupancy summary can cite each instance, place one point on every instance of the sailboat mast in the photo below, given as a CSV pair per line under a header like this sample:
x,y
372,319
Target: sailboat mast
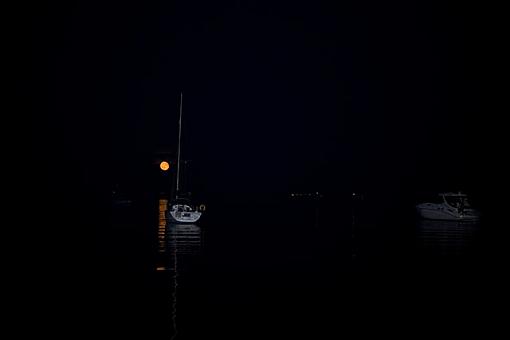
x,y
179,148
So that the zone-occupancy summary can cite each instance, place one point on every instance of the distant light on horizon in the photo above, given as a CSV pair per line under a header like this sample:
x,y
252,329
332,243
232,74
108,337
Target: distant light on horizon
x,y
164,165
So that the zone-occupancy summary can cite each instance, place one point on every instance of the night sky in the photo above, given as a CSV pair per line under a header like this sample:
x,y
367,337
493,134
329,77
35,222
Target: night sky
x,y
278,97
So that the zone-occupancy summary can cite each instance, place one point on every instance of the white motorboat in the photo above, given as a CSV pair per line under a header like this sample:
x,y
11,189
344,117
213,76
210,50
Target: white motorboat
x,y
451,207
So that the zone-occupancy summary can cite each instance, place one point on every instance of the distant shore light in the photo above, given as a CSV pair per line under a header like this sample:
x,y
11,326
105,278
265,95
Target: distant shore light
x,y
164,166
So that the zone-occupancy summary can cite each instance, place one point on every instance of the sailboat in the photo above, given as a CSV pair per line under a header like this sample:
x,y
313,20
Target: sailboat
x,y
180,209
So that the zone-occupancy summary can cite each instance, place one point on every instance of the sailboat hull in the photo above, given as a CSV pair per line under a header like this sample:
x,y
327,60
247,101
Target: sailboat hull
x,y
184,216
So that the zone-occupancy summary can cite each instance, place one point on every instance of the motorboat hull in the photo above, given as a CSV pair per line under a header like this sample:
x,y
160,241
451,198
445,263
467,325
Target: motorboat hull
x,y
442,212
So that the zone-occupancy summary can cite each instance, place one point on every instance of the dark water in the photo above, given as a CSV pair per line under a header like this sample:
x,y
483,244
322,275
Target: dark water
x,y
288,269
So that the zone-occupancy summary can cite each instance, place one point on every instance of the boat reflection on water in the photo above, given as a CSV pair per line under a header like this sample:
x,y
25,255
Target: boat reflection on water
x,y
184,239
446,238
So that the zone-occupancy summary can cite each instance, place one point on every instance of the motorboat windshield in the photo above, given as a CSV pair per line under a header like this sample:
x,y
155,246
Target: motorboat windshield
x,y
456,200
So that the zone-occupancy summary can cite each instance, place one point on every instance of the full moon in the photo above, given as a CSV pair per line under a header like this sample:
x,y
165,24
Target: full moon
x,y
164,166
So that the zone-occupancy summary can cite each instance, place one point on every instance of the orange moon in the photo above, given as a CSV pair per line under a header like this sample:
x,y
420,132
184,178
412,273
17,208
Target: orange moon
x,y
164,166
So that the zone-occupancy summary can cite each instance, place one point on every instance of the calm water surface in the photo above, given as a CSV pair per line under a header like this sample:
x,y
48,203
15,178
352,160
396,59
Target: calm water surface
x,y
288,269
